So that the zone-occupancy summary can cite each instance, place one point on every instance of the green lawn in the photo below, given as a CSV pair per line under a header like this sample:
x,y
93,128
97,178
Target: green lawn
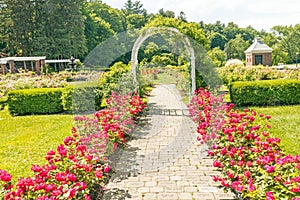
x,y
164,78
285,125
26,140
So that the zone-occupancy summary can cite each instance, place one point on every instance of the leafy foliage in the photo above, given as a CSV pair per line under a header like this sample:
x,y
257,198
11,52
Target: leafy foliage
x,y
234,73
235,48
51,28
113,79
271,92
35,101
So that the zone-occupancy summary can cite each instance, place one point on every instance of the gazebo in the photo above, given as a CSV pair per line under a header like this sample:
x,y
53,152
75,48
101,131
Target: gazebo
x,y
259,54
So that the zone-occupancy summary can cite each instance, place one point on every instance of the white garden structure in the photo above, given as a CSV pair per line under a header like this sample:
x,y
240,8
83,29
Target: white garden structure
x,y
155,30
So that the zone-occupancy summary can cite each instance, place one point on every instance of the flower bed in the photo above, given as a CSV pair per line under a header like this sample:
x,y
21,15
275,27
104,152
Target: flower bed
x,y
79,168
31,80
240,73
251,161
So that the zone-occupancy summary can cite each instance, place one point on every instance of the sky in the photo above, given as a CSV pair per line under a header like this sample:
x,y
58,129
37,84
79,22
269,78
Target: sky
x,y
260,14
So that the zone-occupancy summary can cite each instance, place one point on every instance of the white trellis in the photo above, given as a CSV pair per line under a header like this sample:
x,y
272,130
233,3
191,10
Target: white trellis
x,y
152,31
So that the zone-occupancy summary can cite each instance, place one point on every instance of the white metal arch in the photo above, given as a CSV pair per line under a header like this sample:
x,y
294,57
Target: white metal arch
x,y
152,31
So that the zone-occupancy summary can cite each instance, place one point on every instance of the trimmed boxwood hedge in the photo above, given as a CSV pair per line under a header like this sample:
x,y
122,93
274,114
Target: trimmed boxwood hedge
x,y
265,93
35,101
77,99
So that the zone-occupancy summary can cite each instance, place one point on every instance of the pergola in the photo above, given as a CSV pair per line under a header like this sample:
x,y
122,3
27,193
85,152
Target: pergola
x,y
39,61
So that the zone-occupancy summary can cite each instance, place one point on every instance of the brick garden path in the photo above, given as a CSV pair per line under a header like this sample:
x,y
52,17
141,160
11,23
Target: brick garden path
x,y
163,160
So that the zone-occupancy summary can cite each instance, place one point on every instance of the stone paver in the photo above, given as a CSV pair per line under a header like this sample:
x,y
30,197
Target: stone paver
x,y
164,160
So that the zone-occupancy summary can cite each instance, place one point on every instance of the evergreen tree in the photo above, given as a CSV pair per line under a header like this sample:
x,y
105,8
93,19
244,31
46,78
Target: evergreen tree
x,y
167,14
4,24
135,16
40,39
20,29
65,29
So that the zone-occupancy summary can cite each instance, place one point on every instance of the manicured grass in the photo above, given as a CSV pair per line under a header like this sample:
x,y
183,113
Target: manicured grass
x,y
285,125
26,140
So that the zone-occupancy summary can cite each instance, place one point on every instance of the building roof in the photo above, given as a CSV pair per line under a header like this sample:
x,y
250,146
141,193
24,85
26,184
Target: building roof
x,y
259,47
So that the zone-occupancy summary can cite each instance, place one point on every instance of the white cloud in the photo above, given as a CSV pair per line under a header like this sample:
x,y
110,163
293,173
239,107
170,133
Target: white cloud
x,y
274,7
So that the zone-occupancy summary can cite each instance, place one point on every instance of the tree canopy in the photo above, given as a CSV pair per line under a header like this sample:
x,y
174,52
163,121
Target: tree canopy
x,y
62,28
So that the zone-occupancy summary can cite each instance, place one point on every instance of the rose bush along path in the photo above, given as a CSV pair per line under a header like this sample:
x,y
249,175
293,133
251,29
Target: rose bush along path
x,y
250,159
164,160
78,169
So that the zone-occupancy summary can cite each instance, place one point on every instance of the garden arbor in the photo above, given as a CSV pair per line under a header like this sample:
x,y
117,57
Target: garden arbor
x,y
155,30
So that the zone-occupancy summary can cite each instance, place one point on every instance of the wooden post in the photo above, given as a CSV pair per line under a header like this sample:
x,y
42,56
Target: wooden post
x,y
3,66
25,67
43,65
11,66
31,64
38,67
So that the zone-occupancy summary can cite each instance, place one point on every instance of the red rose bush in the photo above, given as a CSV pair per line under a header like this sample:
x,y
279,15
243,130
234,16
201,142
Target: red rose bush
x,y
251,162
78,168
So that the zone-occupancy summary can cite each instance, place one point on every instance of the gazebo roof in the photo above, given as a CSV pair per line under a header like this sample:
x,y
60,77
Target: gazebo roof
x,y
259,47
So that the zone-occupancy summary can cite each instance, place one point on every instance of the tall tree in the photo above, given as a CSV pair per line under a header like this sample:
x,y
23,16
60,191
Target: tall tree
x,y
289,40
136,7
167,13
112,16
21,30
96,30
4,24
182,16
135,16
235,48
217,27
65,29
101,22
45,27
231,31
39,37
217,40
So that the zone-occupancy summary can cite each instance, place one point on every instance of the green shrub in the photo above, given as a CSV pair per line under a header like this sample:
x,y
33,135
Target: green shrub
x,y
76,98
81,98
35,101
2,103
263,93
114,79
